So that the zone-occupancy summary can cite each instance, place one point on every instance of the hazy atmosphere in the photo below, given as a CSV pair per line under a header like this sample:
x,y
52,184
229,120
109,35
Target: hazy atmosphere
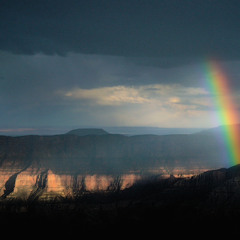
x,y
114,63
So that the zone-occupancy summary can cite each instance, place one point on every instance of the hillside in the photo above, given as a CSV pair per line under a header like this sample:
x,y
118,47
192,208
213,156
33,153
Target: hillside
x,y
111,153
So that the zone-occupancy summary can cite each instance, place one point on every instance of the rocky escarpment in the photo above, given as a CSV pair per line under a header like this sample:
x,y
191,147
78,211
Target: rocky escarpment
x,y
42,184
34,167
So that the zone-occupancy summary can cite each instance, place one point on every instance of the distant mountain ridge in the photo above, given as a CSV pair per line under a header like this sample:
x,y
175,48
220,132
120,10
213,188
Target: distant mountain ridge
x,y
128,131
132,131
87,131
124,130
220,129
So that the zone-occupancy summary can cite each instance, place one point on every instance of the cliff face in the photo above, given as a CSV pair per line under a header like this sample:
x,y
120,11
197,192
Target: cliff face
x,y
32,184
64,165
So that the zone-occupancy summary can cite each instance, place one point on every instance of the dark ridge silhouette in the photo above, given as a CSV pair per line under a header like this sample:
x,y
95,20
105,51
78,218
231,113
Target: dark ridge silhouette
x,y
208,203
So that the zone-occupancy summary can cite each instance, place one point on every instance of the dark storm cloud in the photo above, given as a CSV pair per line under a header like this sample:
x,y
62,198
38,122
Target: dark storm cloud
x,y
98,62
136,28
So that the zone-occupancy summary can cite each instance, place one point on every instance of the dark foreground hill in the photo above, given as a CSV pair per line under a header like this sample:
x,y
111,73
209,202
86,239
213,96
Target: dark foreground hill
x,y
204,205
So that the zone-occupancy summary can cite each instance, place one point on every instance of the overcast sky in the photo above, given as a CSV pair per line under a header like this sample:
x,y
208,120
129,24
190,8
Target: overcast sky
x,y
99,63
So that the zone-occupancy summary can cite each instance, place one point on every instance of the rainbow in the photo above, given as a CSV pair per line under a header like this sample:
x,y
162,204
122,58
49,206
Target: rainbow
x,y
227,113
